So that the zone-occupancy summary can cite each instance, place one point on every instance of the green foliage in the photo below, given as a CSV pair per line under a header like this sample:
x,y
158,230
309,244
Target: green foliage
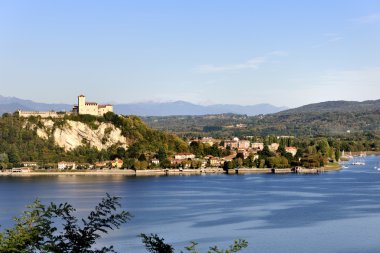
x,y
277,162
20,142
36,231
154,244
325,119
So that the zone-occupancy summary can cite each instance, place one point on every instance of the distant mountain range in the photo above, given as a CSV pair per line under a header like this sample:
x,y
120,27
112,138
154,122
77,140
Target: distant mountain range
x,y
186,108
335,106
11,104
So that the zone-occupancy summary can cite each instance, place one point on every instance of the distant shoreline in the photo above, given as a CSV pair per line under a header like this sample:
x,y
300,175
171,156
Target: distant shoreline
x,y
173,172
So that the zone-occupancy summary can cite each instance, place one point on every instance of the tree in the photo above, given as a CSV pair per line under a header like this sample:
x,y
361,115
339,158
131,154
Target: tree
x,y
161,154
36,230
154,244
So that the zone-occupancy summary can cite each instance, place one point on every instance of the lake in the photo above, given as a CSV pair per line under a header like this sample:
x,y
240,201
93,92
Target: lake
x,y
331,212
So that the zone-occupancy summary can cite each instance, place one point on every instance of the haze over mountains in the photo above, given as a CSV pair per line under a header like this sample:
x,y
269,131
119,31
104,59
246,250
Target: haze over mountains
x,y
11,104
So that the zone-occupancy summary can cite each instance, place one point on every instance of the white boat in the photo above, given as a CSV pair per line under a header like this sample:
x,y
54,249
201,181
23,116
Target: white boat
x,y
358,163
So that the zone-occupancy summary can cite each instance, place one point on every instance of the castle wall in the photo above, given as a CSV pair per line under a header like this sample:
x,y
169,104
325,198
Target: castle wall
x,y
26,114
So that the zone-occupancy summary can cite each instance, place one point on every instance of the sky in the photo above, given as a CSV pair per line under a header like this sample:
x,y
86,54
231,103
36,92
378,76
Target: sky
x,y
282,52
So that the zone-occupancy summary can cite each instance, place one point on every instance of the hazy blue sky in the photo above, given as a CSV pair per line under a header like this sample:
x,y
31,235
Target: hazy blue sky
x,y
281,52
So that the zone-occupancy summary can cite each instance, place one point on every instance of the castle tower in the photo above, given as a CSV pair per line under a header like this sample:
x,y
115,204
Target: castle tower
x,y
81,104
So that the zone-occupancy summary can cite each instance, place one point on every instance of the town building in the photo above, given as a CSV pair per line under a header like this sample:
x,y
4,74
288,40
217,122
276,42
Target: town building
x,y
212,161
66,165
29,164
244,144
229,158
155,161
292,150
91,108
117,163
103,164
183,156
257,145
20,170
232,144
273,147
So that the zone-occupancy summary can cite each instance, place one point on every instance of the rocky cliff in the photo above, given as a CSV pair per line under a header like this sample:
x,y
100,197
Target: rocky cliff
x,y
71,134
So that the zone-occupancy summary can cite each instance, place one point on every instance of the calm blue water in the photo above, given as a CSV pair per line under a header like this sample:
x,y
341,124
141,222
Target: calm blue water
x,y
333,212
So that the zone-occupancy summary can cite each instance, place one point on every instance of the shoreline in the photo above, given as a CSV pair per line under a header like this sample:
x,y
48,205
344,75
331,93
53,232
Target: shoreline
x,y
176,172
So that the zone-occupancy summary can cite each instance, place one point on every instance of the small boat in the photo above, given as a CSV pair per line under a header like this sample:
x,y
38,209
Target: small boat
x,y
358,163
344,167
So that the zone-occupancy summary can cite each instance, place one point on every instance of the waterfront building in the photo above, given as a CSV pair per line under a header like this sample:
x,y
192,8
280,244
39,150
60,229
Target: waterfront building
x,y
66,165
155,161
117,163
29,164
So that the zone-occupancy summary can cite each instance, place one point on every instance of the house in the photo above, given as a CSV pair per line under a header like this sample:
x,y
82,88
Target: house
x,y
257,145
292,150
183,156
21,170
155,161
102,164
244,152
66,165
117,163
244,144
209,140
29,164
212,161
232,144
215,162
229,158
273,147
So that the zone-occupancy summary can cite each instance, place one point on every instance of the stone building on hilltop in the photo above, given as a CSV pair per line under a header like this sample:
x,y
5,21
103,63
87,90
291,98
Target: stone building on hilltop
x,y
91,108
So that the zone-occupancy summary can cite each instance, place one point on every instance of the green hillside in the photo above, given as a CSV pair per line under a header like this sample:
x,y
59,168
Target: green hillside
x,y
327,119
19,140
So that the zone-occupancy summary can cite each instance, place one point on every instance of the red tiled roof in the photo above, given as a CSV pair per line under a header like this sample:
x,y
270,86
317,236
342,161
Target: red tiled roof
x,y
184,153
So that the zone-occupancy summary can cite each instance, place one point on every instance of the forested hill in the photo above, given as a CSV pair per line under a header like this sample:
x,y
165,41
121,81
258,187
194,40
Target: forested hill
x,y
98,139
336,106
328,119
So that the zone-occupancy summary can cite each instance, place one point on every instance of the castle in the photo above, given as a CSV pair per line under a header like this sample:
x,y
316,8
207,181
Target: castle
x,y
91,108
83,107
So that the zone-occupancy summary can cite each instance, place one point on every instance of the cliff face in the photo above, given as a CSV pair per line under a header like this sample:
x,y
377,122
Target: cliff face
x,y
73,134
